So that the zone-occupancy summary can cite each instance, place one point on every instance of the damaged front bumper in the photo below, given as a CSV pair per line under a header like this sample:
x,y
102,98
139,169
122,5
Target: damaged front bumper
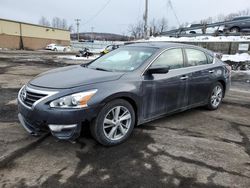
x,y
63,132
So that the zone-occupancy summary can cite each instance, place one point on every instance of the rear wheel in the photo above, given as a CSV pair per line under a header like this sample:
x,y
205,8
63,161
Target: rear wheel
x,y
235,30
114,123
216,96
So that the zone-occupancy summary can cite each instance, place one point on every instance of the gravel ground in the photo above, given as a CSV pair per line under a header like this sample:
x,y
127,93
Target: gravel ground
x,y
196,148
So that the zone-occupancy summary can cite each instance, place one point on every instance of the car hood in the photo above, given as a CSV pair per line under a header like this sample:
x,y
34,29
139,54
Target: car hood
x,y
72,76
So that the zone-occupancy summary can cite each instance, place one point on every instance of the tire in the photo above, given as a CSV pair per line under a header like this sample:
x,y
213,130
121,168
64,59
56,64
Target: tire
x,y
55,49
110,134
215,99
235,30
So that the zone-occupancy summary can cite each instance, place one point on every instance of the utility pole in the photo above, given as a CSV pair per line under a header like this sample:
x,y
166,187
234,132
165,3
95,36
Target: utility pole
x,y
92,33
77,25
145,18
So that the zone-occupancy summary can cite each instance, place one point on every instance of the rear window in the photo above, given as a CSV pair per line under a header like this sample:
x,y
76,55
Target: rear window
x,y
196,57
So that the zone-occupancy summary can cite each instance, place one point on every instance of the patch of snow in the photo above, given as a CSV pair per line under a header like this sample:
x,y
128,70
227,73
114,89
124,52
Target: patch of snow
x,y
200,39
236,58
72,57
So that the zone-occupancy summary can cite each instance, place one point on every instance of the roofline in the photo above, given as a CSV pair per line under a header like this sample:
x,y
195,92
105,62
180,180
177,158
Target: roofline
x,y
168,45
37,25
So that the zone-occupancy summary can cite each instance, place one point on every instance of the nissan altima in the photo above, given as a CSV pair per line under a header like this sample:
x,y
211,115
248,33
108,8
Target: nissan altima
x,y
129,86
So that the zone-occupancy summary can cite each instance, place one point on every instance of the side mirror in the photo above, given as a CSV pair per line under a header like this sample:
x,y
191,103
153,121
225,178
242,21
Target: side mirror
x,y
158,70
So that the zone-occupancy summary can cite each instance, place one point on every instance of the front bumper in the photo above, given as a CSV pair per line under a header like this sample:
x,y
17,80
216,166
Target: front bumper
x,y
64,124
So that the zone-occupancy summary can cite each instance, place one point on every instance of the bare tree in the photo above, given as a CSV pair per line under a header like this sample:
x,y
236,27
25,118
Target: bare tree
x,y
71,28
220,18
56,22
245,12
137,30
153,27
158,26
162,24
186,24
44,21
228,17
64,24
61,24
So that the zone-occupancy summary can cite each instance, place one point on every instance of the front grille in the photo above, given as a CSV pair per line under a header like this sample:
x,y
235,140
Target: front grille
x,y
32,97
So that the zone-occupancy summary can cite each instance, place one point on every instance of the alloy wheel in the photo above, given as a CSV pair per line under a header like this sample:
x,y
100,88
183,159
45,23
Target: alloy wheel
x,y
117,122
216,96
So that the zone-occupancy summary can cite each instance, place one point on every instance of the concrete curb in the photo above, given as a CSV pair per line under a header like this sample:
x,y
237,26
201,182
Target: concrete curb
x,y
8,157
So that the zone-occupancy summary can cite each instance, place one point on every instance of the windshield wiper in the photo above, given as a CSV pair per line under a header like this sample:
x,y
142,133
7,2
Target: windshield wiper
x,y
101,69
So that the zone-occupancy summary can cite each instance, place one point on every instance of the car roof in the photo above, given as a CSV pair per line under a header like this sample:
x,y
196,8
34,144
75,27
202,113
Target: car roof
x,y
160,45
241,17
165,45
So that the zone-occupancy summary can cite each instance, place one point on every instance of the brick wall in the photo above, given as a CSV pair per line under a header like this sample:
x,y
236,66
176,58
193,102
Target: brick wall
x,y
9,41
33,37
30,43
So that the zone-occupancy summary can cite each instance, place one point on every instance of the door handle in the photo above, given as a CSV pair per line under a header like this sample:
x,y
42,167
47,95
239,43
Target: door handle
x,y
211,71
184,77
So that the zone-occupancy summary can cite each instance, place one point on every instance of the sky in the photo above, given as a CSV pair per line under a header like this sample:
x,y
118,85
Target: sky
x,y
115,16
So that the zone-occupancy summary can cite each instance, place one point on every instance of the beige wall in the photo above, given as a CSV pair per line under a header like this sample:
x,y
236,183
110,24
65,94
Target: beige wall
x,y
33,36
43,32
9,28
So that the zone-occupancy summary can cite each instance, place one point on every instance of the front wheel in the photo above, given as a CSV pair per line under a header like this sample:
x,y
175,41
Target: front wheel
x,y
216,96
114,123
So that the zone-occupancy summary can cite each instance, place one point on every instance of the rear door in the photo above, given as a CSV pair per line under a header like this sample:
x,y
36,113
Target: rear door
x,y
165,93
201,75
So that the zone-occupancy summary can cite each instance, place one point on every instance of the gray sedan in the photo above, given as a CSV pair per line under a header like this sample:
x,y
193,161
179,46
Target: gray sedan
x,y
129,86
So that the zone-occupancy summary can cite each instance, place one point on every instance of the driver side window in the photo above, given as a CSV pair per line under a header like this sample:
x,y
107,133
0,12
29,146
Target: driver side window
x,y
171,58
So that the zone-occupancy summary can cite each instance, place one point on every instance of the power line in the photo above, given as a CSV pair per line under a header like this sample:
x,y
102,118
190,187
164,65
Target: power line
x,y
98,12
169,3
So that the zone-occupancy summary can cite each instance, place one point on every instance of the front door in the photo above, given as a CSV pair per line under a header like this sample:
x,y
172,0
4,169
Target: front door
x,y
164,93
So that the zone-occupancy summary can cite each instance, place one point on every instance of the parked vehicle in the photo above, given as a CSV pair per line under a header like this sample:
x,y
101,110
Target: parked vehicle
x,y
109,48
243,24
56,48
85,53
236,66
210,30
129,86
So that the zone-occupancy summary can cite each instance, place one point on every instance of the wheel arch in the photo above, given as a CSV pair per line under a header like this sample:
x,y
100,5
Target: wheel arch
x,y
235,26
132,99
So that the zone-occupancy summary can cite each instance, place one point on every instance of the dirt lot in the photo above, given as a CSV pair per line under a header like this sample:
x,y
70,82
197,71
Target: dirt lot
x,y
196,148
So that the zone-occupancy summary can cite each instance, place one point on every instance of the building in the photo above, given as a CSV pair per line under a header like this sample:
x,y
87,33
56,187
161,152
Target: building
x,y
20,35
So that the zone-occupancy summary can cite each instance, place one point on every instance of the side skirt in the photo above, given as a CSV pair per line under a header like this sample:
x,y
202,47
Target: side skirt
x,y
170,113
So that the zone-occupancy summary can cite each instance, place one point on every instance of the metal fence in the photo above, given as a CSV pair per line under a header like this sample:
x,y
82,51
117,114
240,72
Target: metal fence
x,y
212,25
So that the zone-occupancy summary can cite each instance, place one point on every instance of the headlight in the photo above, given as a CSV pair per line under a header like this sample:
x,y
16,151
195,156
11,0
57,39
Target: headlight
x,y
77,100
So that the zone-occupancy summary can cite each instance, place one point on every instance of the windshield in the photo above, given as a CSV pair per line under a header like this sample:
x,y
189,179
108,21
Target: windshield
x,y
123,59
